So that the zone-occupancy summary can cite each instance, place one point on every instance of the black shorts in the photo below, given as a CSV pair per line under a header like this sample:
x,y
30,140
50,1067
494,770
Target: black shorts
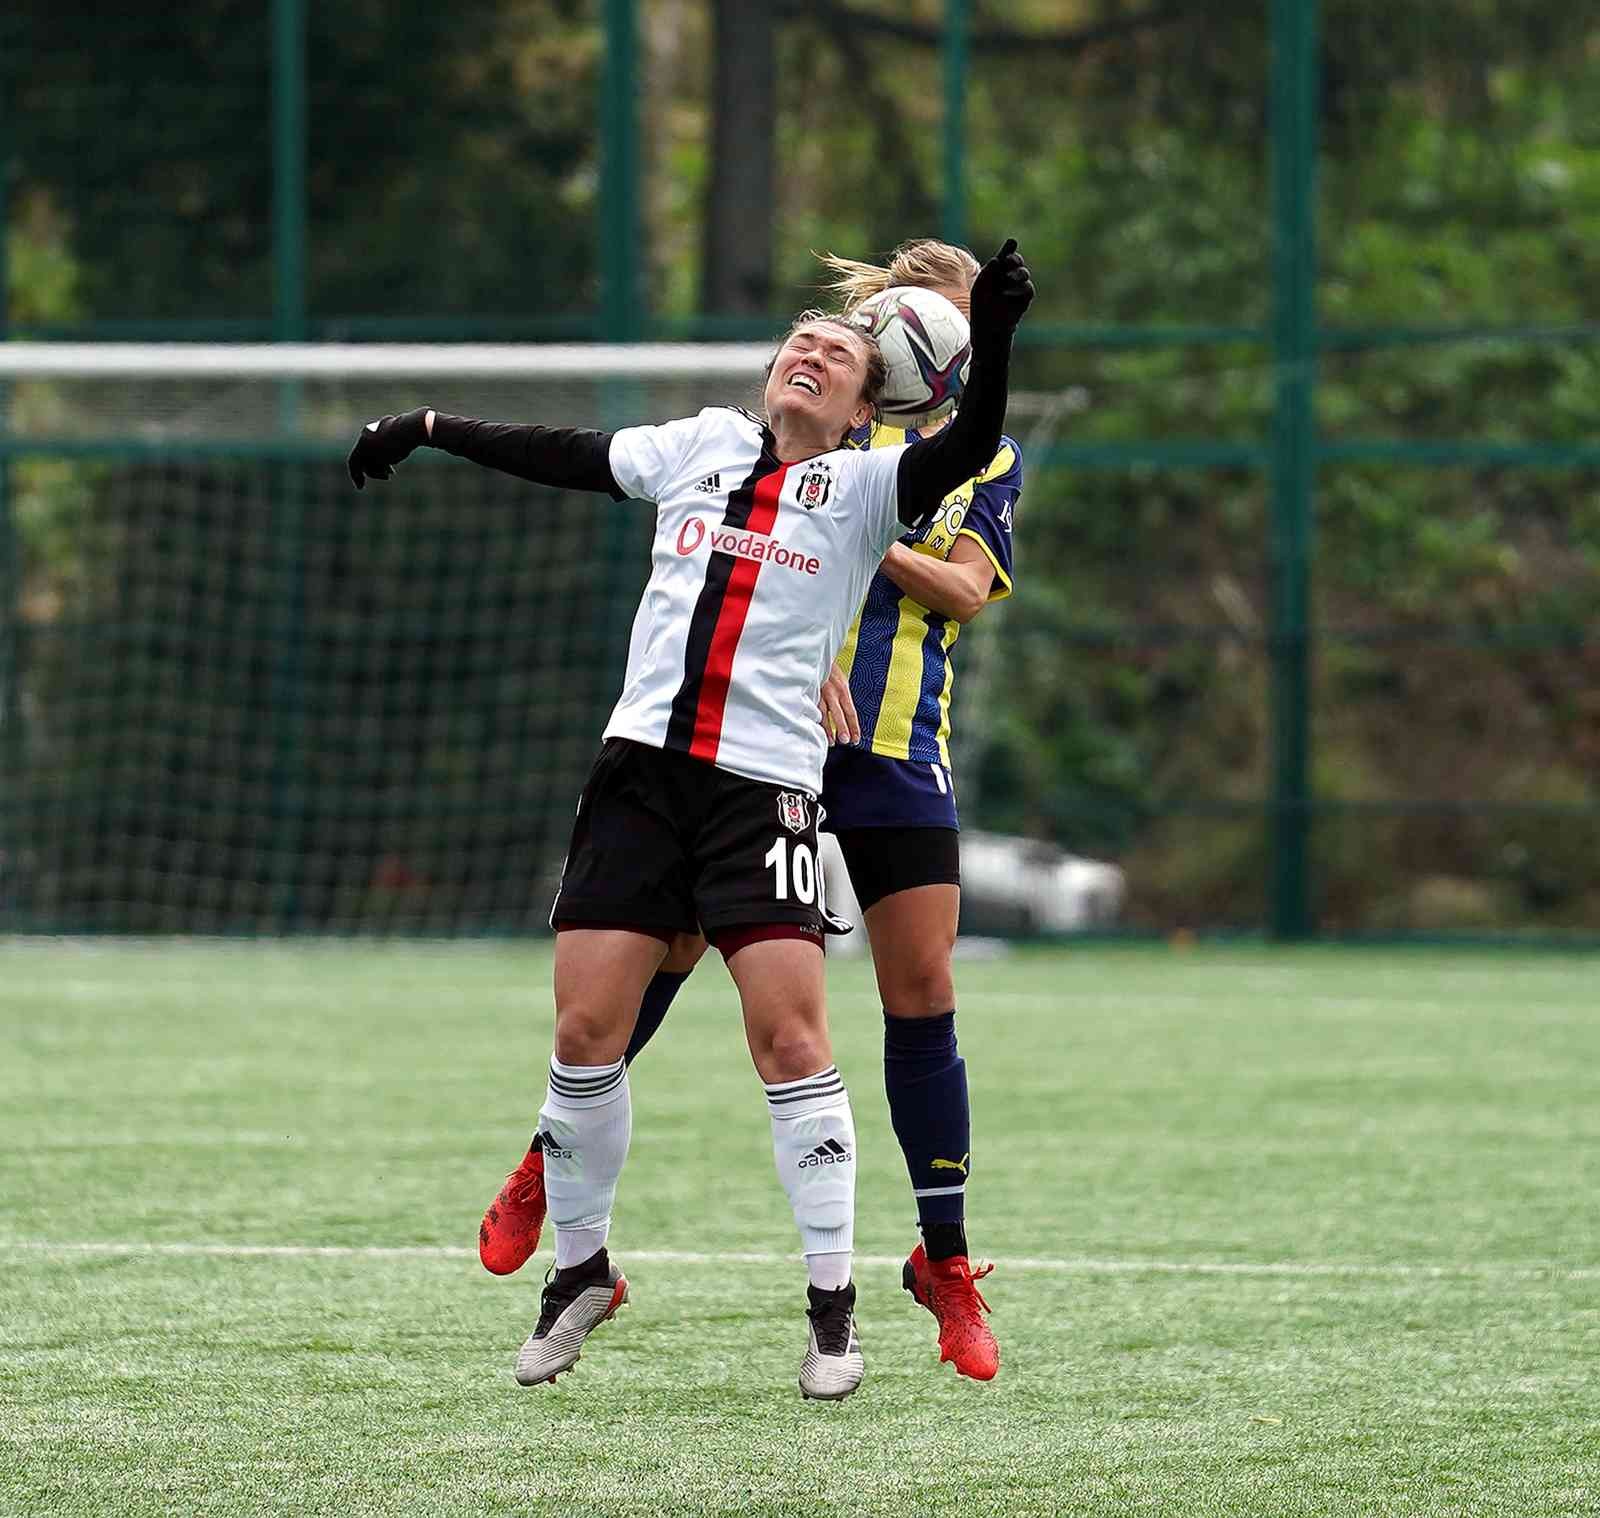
x,y
882,861
666,844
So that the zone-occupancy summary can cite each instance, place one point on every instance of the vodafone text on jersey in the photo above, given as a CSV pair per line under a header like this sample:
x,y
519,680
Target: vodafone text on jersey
x,y
754,546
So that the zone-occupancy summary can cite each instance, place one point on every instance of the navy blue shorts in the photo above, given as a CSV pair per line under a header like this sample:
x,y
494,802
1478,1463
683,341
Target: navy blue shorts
x,y
861,789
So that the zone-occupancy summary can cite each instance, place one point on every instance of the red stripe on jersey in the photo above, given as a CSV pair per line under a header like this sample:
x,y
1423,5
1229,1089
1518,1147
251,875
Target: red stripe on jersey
x,y
730,624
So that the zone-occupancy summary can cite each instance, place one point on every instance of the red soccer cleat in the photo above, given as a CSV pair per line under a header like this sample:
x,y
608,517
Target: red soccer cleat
x,y
948,1289
509,1232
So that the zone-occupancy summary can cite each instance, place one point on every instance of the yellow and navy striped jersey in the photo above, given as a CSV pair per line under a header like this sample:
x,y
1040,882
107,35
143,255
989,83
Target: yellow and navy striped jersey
x,y
897,655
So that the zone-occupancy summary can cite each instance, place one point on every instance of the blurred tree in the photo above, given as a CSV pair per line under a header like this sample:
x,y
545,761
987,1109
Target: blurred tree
x,y
452,171
474,120
739,199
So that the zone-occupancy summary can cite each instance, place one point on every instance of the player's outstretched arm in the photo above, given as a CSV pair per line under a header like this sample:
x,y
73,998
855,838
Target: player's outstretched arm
x,y
932,467
570,458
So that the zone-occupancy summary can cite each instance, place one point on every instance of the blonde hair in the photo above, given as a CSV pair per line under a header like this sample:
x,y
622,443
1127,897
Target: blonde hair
x,y
924,262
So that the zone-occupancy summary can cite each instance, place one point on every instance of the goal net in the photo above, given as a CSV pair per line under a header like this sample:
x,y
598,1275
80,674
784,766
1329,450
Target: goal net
x,y
236,696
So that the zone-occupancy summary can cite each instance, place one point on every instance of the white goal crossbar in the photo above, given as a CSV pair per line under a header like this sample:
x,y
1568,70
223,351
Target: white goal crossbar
x,y
199,361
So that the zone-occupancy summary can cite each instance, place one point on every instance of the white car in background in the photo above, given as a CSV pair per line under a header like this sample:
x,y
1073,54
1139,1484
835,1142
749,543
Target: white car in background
x,y
1010,888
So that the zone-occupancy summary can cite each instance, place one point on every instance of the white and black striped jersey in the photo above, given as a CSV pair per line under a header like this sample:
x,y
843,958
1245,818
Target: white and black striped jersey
x,y
758,567
757,571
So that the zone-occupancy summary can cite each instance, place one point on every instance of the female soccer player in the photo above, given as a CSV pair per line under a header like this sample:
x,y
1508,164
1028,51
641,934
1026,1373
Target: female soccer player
x,y
889,797
701,809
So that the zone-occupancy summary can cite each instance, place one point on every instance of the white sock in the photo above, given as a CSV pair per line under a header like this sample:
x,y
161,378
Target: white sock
x,y
828,1272
814,1143
586,1121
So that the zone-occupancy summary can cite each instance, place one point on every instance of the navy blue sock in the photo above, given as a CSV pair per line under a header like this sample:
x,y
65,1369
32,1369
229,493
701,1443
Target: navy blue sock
x,y
657,998
926,1082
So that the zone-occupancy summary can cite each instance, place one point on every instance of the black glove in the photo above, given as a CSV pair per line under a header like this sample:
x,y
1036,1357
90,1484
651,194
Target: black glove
x,y
384,443
1000,294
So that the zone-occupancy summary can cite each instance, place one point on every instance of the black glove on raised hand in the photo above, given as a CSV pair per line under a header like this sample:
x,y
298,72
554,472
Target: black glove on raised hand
x,y
384,443
1001,293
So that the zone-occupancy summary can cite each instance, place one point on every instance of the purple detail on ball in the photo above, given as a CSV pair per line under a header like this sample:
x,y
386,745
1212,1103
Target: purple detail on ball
x,y
944,384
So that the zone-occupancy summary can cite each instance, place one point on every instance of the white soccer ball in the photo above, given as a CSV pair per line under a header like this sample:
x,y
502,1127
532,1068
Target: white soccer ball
x,y
928,345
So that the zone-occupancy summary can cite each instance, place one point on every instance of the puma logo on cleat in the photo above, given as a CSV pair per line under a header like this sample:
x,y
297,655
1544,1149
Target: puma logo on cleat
x,y
831,1152
552,1150
956,1165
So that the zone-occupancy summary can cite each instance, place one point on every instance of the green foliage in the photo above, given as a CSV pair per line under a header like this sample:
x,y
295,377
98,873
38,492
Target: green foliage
x,y
1459,185
452,172
450,156
43,277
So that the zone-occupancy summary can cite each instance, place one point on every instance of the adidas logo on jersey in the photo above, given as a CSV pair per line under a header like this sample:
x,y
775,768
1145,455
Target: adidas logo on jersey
x,y
711,484
830,1152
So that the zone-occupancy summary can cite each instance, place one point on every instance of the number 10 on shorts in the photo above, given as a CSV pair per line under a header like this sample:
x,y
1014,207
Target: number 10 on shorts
x,y
797,863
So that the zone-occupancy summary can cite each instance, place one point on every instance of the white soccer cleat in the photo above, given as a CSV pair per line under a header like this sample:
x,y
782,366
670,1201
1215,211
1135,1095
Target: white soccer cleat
x,y
567,1316
833,1364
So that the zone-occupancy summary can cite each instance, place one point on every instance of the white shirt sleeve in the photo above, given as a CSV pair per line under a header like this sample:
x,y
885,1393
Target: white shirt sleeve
x,y
644,460
877,476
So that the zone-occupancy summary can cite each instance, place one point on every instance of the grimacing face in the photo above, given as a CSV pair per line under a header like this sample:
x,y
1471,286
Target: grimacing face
x,y
819,375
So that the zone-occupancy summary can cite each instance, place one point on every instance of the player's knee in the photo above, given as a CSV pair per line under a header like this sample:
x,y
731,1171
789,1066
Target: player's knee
x,y
684,953
792,1052
921,987
588,1035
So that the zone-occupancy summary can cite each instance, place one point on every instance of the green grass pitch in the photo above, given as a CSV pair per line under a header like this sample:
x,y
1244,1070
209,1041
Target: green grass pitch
x,y
1278,1234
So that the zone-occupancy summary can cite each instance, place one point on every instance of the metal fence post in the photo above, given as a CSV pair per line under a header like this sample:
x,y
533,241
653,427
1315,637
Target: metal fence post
x,y
289,170
953,48
12,751
288,681
621,317
1294,344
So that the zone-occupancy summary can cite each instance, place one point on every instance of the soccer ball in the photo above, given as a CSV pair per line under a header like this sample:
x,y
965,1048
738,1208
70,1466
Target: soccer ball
x,y
928,345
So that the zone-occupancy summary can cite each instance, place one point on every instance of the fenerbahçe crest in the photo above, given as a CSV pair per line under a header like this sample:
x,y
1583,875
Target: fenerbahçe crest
x,y
792,811
816,485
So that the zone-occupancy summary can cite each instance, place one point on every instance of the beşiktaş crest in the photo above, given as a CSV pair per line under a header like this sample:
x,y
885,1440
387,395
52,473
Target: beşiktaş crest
x,y
816,485
792,811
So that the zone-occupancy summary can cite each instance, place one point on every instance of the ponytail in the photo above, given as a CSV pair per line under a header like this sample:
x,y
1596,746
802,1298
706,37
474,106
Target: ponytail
x,y
923,262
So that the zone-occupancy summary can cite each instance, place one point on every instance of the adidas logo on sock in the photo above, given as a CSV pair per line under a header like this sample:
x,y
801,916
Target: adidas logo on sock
x,y
711,484
552,1150
830,1152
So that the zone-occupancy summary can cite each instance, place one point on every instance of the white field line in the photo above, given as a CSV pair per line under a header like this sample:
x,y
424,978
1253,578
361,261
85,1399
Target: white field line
x,y
1042,1264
